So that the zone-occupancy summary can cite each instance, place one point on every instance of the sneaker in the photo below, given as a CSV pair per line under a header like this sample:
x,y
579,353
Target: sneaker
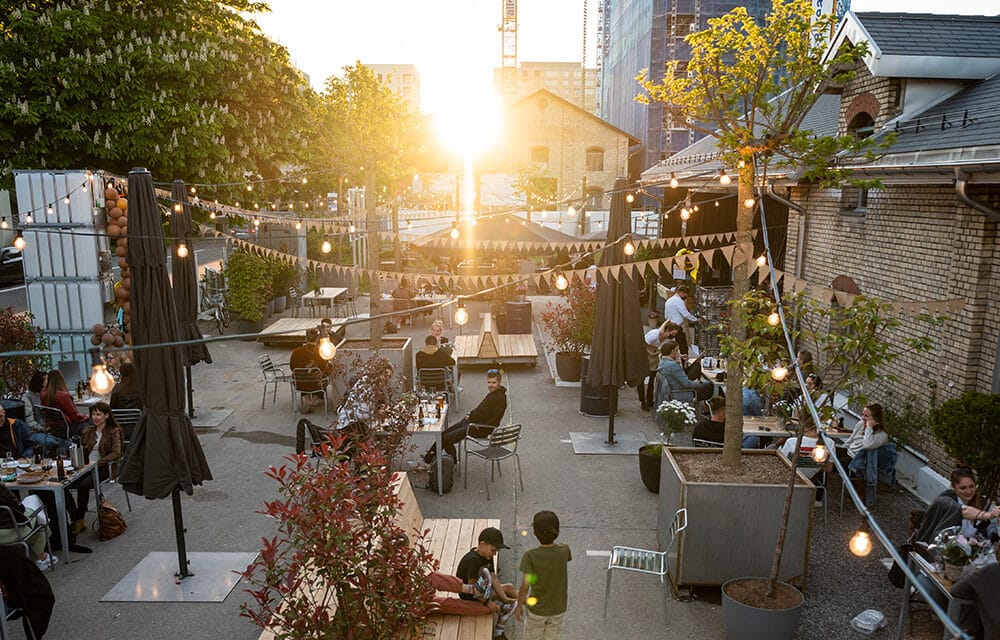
x,y
506,611
44,563
484,585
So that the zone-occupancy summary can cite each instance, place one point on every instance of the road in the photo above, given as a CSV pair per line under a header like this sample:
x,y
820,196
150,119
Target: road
x,y
208,250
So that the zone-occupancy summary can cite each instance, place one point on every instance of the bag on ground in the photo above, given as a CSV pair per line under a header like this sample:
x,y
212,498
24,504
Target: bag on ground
x,y
447,474
110,523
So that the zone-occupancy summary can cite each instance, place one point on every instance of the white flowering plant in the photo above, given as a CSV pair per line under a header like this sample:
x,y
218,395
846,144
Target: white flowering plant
x,y
675,416
958,550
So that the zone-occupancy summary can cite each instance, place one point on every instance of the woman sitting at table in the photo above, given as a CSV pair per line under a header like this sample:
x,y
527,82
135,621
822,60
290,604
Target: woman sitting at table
x,y
957,507
437,329
102,443
406,292
57,395
673,381
869,440
126,393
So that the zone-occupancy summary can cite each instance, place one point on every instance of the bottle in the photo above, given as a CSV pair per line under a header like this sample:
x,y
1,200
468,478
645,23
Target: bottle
x,y
60,469
420,413
438,412
38,457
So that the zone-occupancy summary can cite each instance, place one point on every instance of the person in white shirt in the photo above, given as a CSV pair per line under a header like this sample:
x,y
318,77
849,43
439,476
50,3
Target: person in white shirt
x,y
675,310
655,338
810,438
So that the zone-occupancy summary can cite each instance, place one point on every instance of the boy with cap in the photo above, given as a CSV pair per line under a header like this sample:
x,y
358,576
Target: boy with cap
x,y
478,569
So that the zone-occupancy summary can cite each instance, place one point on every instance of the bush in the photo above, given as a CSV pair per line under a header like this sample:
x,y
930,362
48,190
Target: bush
x,y
249,285
17,333
969,428
571,326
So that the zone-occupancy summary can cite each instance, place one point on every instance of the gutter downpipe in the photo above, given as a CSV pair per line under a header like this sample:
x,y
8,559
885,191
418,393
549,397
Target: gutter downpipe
x,y
800,245
961,180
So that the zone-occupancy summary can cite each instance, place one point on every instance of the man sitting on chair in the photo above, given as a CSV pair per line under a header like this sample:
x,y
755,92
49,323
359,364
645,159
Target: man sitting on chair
x,y
433,357
304,357
489,413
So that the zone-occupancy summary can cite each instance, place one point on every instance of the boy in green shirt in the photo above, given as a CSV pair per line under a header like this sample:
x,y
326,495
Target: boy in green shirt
x,y
545,576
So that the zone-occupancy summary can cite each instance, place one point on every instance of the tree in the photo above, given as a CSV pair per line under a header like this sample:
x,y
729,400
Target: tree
x,y
750,86
969,428
190,89
19,334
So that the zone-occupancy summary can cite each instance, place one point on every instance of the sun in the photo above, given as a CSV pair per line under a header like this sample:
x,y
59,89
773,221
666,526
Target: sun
x,y
470,126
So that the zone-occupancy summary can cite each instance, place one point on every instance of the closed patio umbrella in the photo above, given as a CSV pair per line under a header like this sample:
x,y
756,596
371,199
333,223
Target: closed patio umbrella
x,y
164,455
618,352
185,286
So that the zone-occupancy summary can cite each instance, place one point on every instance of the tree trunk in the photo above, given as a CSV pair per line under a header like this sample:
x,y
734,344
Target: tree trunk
x,y
397,244
371,226
737,322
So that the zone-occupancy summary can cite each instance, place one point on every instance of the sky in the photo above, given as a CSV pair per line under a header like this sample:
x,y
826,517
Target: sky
x,y
455,44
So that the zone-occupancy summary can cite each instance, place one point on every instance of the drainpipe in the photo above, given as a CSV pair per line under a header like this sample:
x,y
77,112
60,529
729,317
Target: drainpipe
x,y
800,241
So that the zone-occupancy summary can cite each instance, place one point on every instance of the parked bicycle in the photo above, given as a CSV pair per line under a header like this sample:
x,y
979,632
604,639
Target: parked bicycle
x,y
215,309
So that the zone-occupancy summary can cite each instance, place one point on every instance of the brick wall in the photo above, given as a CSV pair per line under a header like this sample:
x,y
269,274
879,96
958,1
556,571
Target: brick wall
x,y
914,243
866,90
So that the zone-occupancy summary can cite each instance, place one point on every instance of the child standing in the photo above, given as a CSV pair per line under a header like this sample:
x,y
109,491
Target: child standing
x,y
545,576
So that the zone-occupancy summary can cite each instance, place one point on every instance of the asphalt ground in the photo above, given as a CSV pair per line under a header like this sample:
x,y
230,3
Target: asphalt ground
x,y
600,500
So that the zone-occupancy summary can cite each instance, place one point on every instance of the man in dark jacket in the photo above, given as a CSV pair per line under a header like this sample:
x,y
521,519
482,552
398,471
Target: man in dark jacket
x,y
433,357
983,589
15,436
485,416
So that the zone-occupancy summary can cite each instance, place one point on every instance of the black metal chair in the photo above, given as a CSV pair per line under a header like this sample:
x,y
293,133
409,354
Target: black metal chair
x,y
55,421
25,532
436,379
305,380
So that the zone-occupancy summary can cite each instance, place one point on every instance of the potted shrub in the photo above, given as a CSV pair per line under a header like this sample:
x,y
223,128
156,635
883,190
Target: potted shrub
x,y
246,278
969,428
570,328
17,333
283,276
673,417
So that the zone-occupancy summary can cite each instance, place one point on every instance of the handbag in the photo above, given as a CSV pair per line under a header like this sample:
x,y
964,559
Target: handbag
x,y
110,523
896,576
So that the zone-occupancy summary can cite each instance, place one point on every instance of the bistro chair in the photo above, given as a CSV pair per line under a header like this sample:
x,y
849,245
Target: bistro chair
x,y
23,533
805,461
127,419
646,561
295,301
272,374
436,379
55,421
308,377
501,444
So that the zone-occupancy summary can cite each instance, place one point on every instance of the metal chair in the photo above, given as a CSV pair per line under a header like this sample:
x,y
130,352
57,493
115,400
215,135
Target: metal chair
x,y
25,532
295,301
646,561
309,377
272,374
805,461
502,444
55,421
700,442
127,419
436,378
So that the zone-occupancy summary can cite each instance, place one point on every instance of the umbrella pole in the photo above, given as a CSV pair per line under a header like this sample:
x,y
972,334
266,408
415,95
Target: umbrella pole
x,y
612,410
182,561
190,390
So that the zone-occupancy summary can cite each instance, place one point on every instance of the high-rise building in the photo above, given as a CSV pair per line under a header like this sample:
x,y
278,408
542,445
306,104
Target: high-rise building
x,y
565,79
403,79
644,34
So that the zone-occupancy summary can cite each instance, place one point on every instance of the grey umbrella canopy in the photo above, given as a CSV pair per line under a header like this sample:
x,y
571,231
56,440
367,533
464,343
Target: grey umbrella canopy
x,y
185,285
164,455
618,351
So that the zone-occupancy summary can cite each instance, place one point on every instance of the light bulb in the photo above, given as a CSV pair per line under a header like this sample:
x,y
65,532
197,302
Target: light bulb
x,y
48,210
326,247
212,215
629,198
193,190
101,381
249,187
256,205
685,214
861,544
773,319
819,453
473,221
571,211
749,203
629,248
298,225
305,180
182,250
326,348
454,233
3,223
256,222
461,315
19,242
28,219
716,203
779,373
409,224
177,207
561,282
761,260
66,200
351,229
724,179
673,181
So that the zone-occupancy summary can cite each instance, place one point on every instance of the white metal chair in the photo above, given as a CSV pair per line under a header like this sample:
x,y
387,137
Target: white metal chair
x,y
25,532
272,374
646,561
302,381
502,444
127,420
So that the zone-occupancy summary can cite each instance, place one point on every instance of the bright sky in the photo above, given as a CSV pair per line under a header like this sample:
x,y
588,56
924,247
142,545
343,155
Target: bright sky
x,y
455,44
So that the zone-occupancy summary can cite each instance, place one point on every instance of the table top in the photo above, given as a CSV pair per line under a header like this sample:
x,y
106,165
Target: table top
x,y
765,426
89,400
925,567
52,483
325,292
431,424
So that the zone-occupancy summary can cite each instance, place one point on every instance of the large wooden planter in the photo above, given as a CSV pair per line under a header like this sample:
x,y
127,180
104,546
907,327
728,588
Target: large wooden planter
x,y
732,527
398,351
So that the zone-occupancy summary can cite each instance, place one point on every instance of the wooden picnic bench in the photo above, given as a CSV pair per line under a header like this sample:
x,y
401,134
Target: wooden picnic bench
x,y
488,347
448,540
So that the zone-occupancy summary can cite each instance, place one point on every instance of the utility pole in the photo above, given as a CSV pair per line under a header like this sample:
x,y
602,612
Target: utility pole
x,y
583,207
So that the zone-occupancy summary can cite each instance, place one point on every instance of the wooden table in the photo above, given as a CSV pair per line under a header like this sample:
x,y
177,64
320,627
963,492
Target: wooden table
x,y
58,489
322,297
765,426
920,566
435,426
292,331
438,299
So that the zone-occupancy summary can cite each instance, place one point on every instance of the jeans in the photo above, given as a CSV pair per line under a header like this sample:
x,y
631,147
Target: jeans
x,y
869,463
452,436
456,606
48,444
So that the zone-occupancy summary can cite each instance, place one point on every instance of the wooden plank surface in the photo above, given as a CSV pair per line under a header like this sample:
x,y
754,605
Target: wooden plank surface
x,y
511,348
293,331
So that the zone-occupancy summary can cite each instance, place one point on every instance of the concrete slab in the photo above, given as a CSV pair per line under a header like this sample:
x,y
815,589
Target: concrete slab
x,y
596,443
154,580
209,418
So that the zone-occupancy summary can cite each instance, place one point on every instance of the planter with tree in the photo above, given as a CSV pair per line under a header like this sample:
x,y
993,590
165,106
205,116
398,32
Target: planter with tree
x,y
283,278
570,328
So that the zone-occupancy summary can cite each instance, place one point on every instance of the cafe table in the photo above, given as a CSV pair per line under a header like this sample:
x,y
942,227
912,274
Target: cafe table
x,y
322,297
58,489
921,567
766,427
434,425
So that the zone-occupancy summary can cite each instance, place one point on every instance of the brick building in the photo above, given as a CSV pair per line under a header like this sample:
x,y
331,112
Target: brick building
x,y
929,234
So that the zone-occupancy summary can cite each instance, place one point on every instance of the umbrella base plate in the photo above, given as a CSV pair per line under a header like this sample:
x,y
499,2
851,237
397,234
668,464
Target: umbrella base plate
x,y
154,579
209,418
596,443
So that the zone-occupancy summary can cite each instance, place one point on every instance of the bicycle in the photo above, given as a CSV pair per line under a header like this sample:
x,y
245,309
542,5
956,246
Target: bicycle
x,y
215,309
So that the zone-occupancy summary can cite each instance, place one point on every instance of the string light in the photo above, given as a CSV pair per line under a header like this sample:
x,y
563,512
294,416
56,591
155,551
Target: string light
x,y
819,453
256,222
571,211
177,207
724,178
101,381
773,319
629,248
685,214
351,228
561,282
861,543
779,373
326,348
3,222
193,190
66,200
761,260
212,215
461,315
28,219
629,198
19,242
49,210
249,187
673,180
454,235
298,225
305,180
182,250
326,247
749,203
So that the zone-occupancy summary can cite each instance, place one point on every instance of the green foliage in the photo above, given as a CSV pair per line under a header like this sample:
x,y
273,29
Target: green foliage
x,y
190,89
571,326
283,277
969,428
906,422
17,333
249,284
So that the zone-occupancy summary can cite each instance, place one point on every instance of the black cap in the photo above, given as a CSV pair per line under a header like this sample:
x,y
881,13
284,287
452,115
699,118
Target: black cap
x,y
492,535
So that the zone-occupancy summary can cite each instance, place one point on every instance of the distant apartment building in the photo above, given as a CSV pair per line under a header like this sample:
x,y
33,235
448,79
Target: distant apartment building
x,y
403,79
567,80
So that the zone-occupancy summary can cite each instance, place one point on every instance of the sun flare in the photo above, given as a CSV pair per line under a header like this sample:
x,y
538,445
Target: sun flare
x,y
470,126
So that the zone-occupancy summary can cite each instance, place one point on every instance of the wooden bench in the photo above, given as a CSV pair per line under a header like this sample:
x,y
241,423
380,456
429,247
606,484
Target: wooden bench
x,y
488,346
448,540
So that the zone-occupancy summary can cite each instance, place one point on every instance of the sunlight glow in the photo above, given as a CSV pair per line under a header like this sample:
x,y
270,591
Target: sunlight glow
x,y
470,125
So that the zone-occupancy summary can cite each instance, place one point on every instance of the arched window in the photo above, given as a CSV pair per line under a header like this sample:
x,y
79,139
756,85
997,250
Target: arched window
x,y
855,199
595,159
540,155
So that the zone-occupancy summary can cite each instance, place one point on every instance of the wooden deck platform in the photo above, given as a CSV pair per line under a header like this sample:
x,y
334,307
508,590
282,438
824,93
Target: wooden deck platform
x,y
291,332
509,349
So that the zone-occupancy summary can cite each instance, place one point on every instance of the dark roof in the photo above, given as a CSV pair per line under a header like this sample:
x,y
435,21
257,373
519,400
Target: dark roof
x,y
949,36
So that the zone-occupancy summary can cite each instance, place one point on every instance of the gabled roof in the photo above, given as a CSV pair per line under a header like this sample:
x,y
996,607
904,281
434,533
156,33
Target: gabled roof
x,y
548,95
919,45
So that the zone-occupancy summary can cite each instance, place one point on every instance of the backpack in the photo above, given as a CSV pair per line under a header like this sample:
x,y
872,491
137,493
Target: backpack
x,y
110,523
447,474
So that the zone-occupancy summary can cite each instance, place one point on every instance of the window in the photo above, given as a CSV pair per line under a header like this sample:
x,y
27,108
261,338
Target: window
x,y
540,155
855,199
595,159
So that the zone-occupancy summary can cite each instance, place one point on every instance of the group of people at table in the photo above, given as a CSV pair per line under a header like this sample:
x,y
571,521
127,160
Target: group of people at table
x,y
39,438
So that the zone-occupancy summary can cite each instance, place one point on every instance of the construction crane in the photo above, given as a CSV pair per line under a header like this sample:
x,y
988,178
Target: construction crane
x,y
508,61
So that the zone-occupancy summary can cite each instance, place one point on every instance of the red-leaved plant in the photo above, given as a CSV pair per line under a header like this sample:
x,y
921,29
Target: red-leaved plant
x,y
571,326
18,334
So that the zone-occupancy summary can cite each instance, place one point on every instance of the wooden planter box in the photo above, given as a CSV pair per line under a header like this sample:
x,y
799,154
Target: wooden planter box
x,y
732,527
398,351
